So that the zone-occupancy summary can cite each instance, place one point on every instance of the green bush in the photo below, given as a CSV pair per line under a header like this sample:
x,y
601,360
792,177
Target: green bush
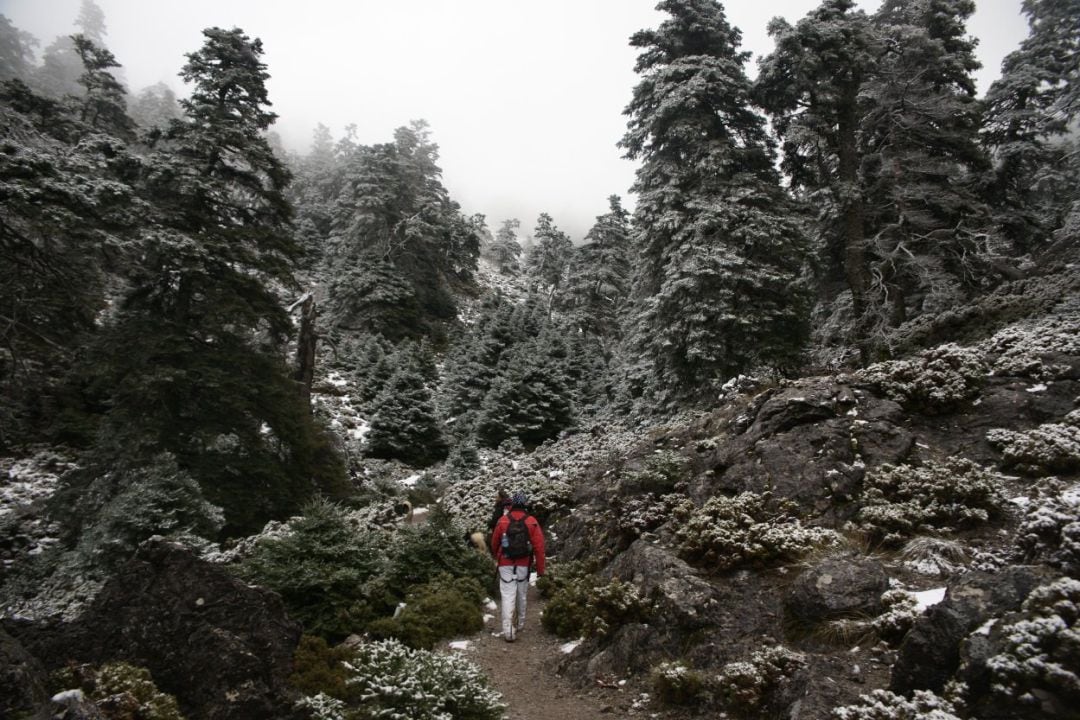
x,y
1041,653
319,668
755,686
675,684
899,501
425,551
121,691
659,474
580,604
885,705
744,530
444,608
390,681
934,381
156,499
326,571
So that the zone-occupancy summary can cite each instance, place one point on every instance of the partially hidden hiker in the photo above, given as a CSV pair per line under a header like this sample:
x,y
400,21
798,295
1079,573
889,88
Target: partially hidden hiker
x,y
517,542
502,506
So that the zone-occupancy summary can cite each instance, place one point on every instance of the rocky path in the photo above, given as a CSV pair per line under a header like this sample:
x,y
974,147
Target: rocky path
x,y
524,671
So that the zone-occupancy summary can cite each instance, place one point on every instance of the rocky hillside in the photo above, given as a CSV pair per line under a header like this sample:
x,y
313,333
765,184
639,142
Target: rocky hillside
x,y
896,542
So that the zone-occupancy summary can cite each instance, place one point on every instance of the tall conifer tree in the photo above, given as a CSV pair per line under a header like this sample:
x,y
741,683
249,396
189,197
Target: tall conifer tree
x,y
720,248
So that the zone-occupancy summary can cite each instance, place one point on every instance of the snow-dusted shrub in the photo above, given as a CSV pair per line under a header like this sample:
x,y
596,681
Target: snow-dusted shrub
x,y
1050,529
934,380
744,530
755,686
673,683
324,570
1042,649
420,553
899,501
643,513
581,604
444,608
156,499
120,691
394,682
322,707
901,611
885,705
933,556
1021,349
1054,447
615,604
659,473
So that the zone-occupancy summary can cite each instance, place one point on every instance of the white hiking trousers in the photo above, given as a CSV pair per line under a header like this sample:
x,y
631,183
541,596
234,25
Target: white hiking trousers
x,y
514,587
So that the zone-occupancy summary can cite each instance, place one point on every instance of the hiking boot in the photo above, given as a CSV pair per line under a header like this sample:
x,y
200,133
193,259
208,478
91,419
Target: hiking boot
x,y
510,637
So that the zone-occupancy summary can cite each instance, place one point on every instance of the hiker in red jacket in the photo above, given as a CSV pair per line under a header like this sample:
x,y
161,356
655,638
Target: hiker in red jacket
x,y
516,541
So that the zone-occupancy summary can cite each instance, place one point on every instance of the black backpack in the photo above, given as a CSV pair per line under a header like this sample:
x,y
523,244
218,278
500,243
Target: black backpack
x,y
517,545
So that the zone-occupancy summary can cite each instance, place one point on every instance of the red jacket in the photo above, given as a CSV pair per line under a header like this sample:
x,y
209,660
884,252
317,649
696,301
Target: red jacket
x,y
536,537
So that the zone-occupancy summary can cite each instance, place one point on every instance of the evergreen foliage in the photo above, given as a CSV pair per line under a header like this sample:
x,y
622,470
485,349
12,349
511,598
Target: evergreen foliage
x,y
402,243
404,424
599,276
721,248
1029,109
505,250
324,569
549,260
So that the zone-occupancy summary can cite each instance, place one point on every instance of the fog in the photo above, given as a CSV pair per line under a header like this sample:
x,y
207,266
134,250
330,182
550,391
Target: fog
x,y
525,99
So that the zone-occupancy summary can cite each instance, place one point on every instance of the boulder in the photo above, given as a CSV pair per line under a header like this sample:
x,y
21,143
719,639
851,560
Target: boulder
x,y
682,597
837,588
929,654
22,679
224,649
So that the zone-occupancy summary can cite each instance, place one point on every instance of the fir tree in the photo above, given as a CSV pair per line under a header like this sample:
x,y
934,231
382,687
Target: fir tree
x,y
104,105
720,249
202,374
549,261
921,160
404,424
812,86
505,250
529,398
1028,109
599,278
16,51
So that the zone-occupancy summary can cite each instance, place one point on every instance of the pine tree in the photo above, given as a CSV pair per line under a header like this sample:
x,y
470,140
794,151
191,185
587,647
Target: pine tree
x,y
921,160
16,52
505,251
393,206
404,424
1029,108
202,375
154,107
549,261
104,103
599,279
529,398
812,85
717,289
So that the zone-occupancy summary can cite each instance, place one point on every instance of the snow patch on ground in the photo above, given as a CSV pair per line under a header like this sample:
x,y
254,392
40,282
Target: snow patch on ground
x,y
569,647
460,645
1041,387
411,480
927,598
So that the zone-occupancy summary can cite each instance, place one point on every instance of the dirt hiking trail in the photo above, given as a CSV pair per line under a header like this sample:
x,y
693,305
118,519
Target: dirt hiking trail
x,y
524,671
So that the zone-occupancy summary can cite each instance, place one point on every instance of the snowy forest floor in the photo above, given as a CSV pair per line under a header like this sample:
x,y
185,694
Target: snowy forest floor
x,y
524,671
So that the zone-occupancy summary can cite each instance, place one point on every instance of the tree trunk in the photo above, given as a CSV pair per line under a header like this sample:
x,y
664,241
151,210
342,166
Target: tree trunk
x,y
305,349
855,268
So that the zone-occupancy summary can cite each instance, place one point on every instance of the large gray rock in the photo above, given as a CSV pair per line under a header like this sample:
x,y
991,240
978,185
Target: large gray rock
x,y
224,649
682,597
930,653
837,588
22,679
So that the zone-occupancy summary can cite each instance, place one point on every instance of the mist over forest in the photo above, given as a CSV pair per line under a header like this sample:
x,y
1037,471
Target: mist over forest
x,y
799,417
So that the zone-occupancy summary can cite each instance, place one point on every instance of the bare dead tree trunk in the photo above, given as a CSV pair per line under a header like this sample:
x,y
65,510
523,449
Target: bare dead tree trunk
x,y
305,348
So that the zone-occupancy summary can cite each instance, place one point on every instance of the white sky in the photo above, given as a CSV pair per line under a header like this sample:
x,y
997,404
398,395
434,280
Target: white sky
x,y
524,98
